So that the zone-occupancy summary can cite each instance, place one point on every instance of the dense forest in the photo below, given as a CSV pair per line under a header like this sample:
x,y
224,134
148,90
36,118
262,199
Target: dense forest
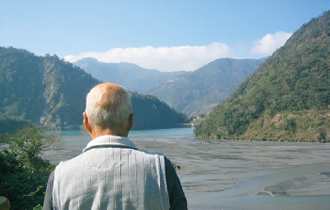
x,y
51,92
286,98
164,116
45,90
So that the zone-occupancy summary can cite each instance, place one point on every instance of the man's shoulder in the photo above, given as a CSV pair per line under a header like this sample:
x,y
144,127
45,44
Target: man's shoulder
x,y
155,153
70,163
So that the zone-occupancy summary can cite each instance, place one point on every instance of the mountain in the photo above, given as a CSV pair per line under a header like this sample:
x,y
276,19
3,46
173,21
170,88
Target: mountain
x,y
51,92
128,75
45,90
199,91
286,98
151,113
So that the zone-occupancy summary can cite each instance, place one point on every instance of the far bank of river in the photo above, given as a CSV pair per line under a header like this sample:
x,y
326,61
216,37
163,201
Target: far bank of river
x,y
226,174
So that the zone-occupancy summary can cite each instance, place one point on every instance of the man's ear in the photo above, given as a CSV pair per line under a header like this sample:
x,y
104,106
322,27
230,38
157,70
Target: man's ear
x,y
87,123
130,122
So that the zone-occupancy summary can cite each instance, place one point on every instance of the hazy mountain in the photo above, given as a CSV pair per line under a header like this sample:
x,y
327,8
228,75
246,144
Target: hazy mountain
x,y
286,98
128,75
199,91
51,92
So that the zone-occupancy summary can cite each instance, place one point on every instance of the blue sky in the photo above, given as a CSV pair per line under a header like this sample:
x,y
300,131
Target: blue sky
x,y
164,35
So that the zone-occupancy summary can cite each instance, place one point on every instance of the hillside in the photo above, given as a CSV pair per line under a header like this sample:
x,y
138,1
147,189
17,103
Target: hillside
x,y
286,98
51,92
151,113
45,90
128,75
198,92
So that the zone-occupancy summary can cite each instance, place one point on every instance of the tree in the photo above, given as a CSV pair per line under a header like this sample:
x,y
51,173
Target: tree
x,y
26,147
23,173
322,135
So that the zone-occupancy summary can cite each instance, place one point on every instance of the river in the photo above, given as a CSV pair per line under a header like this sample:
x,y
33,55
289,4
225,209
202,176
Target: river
x,y
229,174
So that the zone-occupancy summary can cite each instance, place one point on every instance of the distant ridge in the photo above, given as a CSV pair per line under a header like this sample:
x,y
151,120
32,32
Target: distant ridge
x,y
193,93
128,75
199,91
286,98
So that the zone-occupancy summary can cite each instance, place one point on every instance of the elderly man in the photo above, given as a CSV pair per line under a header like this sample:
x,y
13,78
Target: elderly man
x,y
112,173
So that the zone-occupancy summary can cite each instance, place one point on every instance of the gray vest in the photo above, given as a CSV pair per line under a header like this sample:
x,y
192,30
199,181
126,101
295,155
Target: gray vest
x,y
111,173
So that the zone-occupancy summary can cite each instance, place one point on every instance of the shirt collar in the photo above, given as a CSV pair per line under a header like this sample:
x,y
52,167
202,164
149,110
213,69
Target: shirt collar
x,y
110,141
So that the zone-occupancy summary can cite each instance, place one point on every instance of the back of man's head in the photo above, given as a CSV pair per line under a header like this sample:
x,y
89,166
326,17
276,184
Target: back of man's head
x,y
108,105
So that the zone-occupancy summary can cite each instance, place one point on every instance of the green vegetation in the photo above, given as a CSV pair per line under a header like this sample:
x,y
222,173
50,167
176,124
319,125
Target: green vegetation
x,y
45,90
198,92
150,113
23,173
286,98
51,92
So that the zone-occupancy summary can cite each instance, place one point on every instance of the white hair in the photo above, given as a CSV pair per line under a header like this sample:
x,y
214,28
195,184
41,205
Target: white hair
x,y
109,113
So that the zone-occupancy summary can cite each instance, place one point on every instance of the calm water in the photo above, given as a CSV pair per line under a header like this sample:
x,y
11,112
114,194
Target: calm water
x,y
221,174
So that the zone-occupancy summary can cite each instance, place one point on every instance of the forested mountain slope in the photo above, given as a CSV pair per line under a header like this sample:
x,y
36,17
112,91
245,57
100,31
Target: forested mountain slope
x,y
286,98
151,113
199,91
45,90
51,92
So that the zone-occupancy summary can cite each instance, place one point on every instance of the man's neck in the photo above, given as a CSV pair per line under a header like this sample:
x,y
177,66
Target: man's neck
x,y
96,132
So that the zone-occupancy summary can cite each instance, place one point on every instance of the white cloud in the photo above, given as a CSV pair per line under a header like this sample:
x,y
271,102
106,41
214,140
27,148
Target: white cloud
x,y
271,42
188,58
161,58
